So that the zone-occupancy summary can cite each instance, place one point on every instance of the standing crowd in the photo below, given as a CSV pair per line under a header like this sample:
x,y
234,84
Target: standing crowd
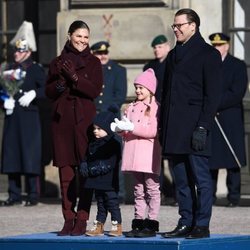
x,y
184,100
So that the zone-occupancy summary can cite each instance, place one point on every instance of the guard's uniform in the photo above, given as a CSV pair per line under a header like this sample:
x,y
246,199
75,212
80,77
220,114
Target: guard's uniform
x,y
230,116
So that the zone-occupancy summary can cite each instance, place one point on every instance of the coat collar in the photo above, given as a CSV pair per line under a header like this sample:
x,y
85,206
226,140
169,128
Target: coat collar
x,y
108,65
97,143
192,47
25,64
146,103
78,58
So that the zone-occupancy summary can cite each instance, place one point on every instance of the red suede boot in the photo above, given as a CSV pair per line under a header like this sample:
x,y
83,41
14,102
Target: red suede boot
x,y
67,228
79,228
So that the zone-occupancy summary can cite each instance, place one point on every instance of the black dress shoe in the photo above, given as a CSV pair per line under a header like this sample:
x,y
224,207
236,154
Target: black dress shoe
x,y
11,202
178,232
31,203
199,232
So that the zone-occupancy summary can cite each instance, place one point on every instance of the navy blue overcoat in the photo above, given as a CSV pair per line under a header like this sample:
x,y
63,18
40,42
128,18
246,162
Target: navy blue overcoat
x,y
191,94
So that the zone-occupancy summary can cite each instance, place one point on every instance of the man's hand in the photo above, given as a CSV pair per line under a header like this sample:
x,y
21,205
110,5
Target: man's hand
x,y
199,139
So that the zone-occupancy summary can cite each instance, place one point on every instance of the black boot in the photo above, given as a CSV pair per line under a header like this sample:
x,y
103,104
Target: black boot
x,y
150,227
137,226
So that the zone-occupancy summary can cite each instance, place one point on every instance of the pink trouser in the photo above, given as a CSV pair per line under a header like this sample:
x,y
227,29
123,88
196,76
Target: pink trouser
x,y
147,195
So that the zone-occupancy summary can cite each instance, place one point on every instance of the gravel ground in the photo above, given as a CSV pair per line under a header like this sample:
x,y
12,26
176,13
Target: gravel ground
x,y
47,217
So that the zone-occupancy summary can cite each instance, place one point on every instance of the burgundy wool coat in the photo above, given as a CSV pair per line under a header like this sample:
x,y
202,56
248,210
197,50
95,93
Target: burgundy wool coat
x,y
73,107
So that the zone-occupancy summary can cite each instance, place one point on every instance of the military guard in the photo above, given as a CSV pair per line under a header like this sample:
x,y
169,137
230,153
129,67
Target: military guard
x,y
115,79
161,48
21,146
230,117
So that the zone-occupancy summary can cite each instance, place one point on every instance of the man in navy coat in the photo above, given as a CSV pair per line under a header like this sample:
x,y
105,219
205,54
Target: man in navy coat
x,y
191,94
230,115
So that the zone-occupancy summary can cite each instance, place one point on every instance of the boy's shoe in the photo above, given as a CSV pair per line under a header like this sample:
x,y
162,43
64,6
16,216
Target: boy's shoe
x,y
116,229
96,230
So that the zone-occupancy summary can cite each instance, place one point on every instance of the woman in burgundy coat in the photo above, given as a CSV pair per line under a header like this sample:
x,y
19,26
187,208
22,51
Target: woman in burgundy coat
x,y
74,80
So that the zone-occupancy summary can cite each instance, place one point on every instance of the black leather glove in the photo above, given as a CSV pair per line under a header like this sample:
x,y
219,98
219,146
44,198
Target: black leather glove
x,y
199,139
84,171
68,71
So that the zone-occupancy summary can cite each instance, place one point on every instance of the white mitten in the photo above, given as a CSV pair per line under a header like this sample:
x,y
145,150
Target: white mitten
x,y
9,105
114,127
125,124
27,98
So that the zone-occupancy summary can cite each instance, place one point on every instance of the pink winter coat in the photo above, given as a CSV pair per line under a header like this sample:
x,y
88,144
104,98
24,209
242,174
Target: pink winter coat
x,y
141,150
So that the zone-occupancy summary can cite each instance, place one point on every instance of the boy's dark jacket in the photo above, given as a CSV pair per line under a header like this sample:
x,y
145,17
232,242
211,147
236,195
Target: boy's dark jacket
x,y
103,157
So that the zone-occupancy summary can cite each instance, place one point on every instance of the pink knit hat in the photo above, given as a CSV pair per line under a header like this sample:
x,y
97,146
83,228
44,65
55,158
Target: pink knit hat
x,y
147,79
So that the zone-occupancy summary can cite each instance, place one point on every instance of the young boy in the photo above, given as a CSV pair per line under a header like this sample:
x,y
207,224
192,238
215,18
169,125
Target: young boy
x,y
102,171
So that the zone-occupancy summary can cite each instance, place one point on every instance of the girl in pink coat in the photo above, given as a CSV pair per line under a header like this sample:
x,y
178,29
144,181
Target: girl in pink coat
x,y
142,154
